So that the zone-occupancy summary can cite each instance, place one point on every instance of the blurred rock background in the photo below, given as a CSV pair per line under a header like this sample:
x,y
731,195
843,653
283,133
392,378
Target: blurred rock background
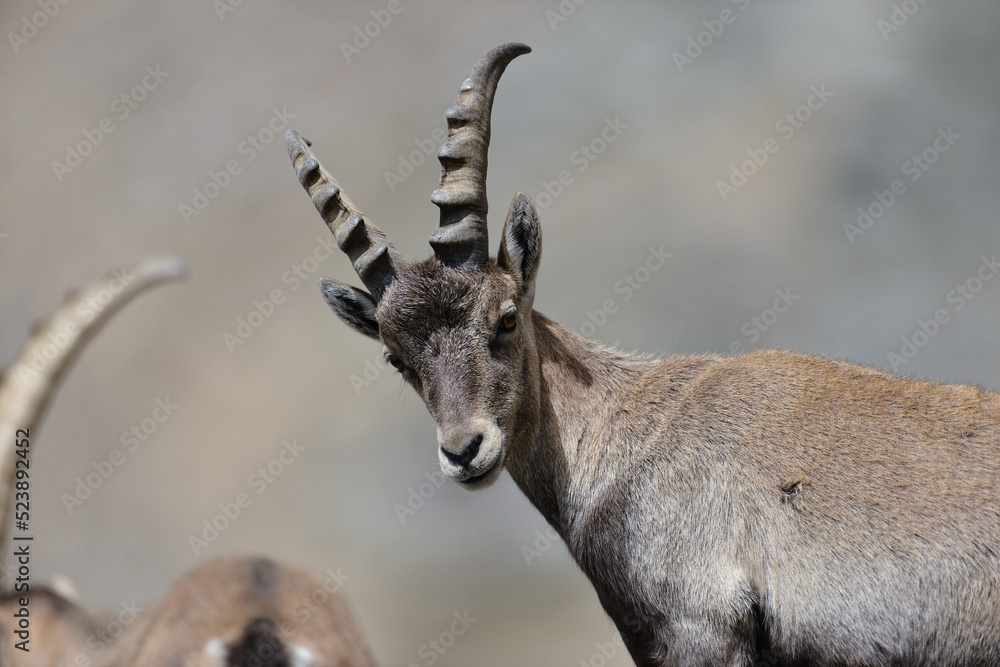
x,y
686,115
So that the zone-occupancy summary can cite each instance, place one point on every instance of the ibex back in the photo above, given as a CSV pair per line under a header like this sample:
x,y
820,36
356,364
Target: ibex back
x,y
771,508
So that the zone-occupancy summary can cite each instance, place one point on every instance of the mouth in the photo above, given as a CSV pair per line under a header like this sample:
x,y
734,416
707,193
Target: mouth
x,y
485,478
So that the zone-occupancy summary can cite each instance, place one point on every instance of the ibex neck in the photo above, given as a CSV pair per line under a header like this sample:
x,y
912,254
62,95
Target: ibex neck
x,y
585,397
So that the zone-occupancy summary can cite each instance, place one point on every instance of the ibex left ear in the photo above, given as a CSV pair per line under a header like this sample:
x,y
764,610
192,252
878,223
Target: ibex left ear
x,y
521,246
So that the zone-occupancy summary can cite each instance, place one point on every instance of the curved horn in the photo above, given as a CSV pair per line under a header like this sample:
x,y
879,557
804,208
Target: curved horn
x,y
371,253
27,385
462,238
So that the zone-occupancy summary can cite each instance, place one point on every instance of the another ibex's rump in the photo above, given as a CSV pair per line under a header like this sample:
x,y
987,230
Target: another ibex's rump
x,y
771,508
246,612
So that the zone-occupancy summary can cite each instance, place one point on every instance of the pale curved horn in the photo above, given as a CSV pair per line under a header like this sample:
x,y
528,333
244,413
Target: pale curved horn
x,y
462,238
26,387
372,255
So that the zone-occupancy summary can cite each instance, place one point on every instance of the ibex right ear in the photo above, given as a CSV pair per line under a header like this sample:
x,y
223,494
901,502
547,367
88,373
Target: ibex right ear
x,y
356,307
521,247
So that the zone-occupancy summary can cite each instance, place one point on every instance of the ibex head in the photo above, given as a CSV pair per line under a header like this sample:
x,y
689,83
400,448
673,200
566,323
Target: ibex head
x,y
458,325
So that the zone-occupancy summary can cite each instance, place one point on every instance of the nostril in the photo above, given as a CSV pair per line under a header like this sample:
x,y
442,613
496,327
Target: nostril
x,y
468,453
472,448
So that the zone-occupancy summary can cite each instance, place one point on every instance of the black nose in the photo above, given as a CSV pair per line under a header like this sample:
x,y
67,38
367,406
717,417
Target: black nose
x,y
468,453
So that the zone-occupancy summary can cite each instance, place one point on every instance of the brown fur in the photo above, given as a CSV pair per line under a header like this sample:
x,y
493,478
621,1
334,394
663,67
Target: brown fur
x,y
59,628
817,510
245,593
229,612
772,508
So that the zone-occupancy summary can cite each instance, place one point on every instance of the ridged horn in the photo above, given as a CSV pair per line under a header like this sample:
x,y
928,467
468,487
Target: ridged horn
x,y
372,255
462,239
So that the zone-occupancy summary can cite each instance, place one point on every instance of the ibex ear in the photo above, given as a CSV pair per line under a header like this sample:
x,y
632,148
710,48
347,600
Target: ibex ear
x,y
356,307
521,247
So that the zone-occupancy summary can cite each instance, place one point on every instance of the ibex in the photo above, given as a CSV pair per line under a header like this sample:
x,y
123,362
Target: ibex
x,y
771,507
230,612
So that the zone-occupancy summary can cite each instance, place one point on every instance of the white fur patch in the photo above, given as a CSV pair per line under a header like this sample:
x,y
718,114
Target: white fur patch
x,y
63,585
216,650
302,657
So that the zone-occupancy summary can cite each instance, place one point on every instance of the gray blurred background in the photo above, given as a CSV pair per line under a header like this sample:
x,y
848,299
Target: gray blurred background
x,y
222,71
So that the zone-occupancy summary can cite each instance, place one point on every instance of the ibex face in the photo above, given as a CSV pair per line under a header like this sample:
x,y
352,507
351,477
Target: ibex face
x,y
463,339
458,325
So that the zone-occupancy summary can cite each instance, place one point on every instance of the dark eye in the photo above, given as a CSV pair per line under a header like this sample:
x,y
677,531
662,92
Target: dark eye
x,y
509,321
395,362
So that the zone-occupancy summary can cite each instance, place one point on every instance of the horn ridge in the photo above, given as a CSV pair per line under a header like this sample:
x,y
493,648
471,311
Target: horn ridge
x,y
462,237
372,255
